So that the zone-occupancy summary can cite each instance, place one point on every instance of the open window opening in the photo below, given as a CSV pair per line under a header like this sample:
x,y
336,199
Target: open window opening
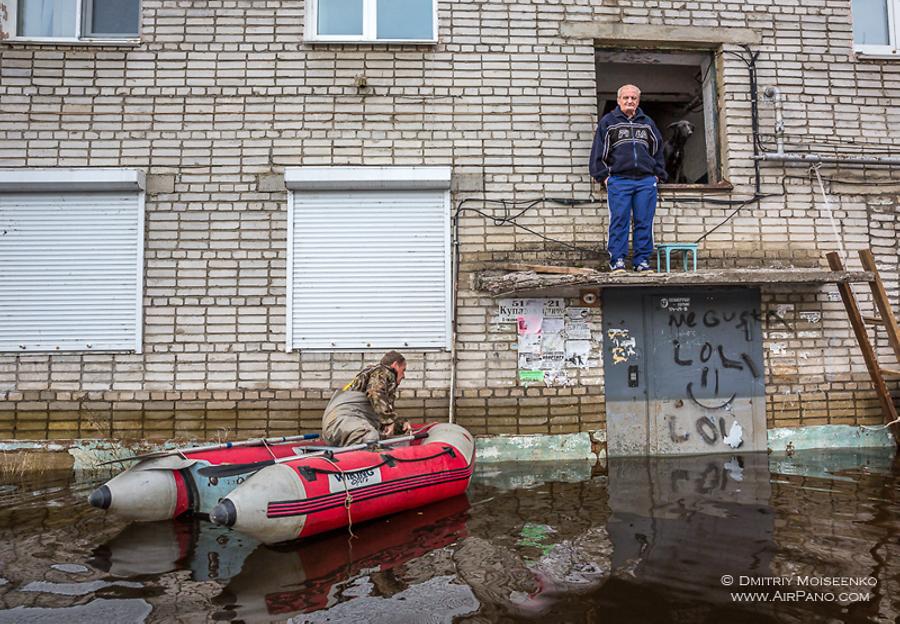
x,y
678,91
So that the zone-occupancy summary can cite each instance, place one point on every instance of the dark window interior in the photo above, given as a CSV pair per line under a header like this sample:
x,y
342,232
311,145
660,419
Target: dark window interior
x,y
675,86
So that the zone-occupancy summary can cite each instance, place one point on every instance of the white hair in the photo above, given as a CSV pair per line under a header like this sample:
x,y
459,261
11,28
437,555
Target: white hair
x,y
627,86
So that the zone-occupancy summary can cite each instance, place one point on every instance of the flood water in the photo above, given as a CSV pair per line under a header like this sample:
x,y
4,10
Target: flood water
x,y
814,537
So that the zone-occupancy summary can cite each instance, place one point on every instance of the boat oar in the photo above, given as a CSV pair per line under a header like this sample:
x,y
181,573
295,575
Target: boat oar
x,y
229,470
213,447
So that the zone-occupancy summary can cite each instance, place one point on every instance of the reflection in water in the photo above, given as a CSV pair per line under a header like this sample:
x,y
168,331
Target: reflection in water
x,y
312,574
638,539
146,548
682,523
99,610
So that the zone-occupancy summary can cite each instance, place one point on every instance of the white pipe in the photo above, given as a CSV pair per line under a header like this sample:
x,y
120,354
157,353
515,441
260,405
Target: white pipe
x,y
454,269
774,94
816,158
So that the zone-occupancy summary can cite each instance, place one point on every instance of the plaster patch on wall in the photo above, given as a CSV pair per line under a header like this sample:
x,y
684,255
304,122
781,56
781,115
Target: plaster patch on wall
x,y
811,317
784,309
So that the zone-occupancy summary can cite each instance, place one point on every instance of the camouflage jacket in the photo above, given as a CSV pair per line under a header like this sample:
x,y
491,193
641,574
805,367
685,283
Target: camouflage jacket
x,y
379,383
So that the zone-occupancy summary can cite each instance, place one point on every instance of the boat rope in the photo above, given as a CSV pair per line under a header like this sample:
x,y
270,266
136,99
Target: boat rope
x,y
309,473
266,444
348,498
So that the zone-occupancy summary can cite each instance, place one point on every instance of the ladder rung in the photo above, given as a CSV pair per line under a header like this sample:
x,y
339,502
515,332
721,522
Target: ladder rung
x,y
890,372
873,320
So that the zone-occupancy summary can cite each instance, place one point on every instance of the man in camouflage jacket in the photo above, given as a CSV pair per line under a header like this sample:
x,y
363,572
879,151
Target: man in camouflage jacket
x,y
363,410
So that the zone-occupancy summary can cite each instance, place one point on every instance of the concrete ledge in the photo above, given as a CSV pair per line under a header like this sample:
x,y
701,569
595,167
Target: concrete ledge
x,y
646,35
83,454
591,446
827,437
539,447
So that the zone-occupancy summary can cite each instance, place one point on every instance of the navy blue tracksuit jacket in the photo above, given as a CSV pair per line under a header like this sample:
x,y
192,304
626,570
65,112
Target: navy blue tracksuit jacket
x,y
629,148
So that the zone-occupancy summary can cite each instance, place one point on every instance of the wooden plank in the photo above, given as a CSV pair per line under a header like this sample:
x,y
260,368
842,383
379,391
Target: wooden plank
x,y
545,268
873,320
859,329
891,373
529,283
882,302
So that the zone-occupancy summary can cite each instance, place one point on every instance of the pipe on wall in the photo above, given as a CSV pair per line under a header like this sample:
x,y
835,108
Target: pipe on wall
x,y
813,159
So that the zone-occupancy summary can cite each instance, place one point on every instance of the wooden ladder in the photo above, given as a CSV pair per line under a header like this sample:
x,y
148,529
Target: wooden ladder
x,y
885,317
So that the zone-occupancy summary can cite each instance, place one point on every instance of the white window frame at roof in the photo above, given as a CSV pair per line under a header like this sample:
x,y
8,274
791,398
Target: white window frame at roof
x,y
82,8
370,26
892,48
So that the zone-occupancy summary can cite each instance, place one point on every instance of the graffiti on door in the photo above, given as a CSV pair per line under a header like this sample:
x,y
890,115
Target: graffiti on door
x,y
709,345
684,370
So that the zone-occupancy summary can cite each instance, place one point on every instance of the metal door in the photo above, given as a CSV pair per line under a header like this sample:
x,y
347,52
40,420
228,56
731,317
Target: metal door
x,y
683,371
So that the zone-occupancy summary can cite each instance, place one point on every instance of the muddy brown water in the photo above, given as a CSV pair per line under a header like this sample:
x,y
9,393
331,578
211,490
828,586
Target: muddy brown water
x,y
734,538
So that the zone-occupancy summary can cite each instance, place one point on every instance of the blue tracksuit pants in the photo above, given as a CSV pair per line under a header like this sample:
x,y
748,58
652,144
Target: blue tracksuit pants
x,y
629,199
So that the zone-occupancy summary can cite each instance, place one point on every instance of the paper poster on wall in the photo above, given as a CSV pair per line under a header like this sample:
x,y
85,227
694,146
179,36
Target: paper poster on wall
x,y
529,361
530,321
531,375
529,344
552,337
557,377
553,360
578,314
578,353
554,308
577,330
508,310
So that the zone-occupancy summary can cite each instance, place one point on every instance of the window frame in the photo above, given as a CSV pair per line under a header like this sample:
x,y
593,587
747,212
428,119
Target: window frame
x,y
83,10
370,27
33,180
888,50
348,179
712,105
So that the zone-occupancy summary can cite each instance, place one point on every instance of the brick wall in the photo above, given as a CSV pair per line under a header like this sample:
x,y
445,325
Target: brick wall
x,y
220,97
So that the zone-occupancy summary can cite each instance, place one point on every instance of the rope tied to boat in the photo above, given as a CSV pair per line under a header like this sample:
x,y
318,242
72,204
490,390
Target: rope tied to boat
x,y
309,473
268,448
348,497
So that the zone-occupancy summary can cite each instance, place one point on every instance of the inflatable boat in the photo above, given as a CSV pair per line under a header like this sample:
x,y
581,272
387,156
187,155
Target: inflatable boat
x,y
167,484
303,496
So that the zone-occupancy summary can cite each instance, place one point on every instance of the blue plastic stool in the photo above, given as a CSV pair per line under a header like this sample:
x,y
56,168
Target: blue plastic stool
x,y
668,248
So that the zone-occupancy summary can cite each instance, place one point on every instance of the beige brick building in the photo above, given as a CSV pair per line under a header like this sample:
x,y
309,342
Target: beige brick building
x,y
221,116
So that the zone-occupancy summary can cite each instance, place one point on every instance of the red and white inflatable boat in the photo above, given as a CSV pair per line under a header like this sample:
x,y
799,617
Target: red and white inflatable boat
x,y
167,484
309,495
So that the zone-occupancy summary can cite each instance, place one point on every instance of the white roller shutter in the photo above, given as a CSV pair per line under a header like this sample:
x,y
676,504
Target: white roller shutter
x,y
70,271
369,269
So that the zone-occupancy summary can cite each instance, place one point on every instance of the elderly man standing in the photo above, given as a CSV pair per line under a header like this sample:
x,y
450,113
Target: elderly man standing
x,y
363,410
627,158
